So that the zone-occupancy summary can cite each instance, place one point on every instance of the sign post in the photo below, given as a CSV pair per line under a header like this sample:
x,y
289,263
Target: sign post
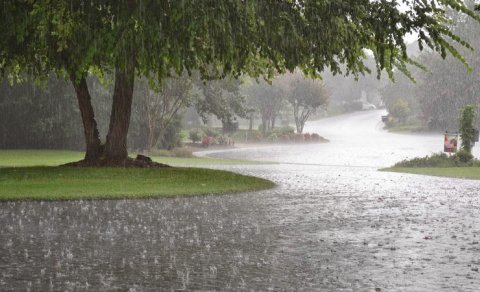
x,y
450,142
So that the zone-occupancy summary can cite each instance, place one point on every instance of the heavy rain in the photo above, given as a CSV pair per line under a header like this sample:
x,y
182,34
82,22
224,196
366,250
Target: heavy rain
x,y
228,153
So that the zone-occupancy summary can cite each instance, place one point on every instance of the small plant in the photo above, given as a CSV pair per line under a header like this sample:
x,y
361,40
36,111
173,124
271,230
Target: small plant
x,y
463,156
211,132
195,135
223,140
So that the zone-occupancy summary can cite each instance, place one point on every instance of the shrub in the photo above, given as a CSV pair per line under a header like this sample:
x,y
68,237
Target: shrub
x,y
170,137
285,130
195,135
272,137
463,156
223,140
315,137
298,137
210,132
208,140
307,137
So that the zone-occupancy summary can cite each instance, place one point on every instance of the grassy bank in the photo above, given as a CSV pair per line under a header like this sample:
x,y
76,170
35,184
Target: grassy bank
x,y
457,172
59,183
19,158
32,175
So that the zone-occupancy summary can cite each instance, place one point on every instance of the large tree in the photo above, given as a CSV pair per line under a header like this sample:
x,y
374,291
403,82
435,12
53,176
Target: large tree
x,y
148,37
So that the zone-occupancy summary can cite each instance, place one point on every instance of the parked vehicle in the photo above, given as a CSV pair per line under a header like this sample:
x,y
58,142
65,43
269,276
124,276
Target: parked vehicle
x,y
368,106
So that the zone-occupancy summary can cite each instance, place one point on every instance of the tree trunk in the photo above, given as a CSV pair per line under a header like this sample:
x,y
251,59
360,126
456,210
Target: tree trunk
x,y
92,139
250,123
116,145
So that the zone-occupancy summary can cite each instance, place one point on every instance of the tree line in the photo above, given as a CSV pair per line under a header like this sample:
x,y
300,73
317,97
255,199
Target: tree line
x,y
47,116
434,99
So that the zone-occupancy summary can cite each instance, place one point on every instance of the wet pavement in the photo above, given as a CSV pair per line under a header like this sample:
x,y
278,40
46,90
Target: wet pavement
x,y
333,223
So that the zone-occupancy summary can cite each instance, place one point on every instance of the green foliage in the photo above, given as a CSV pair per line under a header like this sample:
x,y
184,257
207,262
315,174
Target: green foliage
x,y
285,130
170,137
195,135
400,110
210,132
463,156
460,159
221,98
75,36
466,127
305,96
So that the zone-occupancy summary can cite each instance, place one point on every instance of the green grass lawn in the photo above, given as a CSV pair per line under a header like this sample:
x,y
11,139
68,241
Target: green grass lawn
x,y
18,158
32,175
457,172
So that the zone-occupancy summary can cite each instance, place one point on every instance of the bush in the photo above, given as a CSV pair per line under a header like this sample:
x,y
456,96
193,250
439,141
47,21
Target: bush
x,y
299,137
223,140
195,135
285,130
170,137
272,137
210,132
208,140
307,137
315,137
461,158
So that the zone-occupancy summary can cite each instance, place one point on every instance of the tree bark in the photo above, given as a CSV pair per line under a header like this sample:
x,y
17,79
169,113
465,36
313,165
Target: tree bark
x,y
92,138
116,145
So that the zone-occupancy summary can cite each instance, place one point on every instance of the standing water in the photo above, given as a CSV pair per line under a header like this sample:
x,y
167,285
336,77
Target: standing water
x,y
333,223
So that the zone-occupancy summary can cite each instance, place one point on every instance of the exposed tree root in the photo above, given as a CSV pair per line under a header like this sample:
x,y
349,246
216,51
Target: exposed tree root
x,y
140,162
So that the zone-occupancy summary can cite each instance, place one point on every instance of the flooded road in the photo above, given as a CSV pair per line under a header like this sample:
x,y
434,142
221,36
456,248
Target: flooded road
x,y
333,223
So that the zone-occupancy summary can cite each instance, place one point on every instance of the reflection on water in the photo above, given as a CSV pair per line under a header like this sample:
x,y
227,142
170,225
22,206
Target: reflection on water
x,y
323,227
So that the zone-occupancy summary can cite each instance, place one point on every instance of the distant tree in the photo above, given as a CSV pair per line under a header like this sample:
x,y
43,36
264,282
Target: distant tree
x,y
267,100
400,110
135,38
195,135
161,104
448,86
221,98
306,96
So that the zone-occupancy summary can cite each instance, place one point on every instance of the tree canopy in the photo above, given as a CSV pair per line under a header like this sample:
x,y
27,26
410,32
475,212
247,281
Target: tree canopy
x,y
148,37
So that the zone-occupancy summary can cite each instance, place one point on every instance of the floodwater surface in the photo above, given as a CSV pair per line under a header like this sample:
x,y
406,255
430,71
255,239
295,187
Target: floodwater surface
x,y
332,223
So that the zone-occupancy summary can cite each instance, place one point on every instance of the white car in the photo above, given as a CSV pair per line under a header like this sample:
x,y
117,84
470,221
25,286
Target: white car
x,y
368,106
